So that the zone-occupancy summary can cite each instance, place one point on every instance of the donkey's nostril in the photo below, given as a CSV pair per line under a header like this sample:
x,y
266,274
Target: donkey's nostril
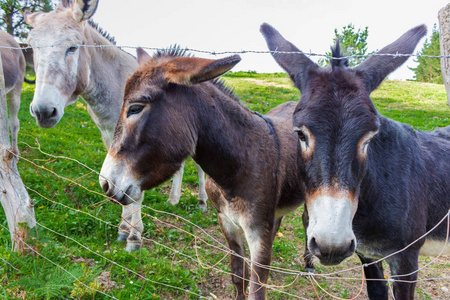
x,y
105,187
351,249
54,113
313,247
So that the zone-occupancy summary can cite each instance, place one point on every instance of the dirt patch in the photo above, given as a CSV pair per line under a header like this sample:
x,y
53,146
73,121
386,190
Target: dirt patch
x,y
88,262
104,279
267,83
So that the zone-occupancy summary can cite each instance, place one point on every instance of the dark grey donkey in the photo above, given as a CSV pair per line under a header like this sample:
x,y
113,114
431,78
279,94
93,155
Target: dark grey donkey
x,y
372,185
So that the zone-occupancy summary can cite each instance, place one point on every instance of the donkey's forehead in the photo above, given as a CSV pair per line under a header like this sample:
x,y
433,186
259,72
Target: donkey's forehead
x,y
57,25
333,100
144,83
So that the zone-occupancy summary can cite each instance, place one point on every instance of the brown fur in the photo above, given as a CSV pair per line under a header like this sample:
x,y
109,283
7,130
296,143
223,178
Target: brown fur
x,y
250,158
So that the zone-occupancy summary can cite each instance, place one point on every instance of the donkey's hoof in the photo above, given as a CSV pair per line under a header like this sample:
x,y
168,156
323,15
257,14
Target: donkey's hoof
x,y
123,236
173,200
131,247
310,270
202,205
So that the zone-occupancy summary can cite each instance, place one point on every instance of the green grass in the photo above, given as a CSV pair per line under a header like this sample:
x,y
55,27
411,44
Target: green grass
x,y
34,277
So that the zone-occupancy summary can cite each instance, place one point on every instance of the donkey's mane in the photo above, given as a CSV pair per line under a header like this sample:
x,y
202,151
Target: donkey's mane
x,y
337,61
221,85
103,32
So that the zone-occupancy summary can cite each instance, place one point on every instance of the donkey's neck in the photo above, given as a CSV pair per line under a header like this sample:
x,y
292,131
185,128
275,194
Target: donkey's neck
x,y
110,68
232,140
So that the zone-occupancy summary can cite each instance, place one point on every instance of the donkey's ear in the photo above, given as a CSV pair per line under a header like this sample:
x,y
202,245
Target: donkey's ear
x,y
192,70
31,18
83,10
142,56
297,65
377,67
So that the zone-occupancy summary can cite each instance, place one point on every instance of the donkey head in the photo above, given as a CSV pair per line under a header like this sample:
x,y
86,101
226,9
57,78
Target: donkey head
x,y
158,124
62,72
336,121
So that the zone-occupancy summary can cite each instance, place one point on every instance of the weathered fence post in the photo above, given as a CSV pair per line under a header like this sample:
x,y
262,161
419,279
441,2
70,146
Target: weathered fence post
x,y
444,37
18,206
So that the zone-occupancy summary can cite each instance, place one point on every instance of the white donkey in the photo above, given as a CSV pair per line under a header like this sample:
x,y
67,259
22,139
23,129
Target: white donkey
x,y
13,63
97,74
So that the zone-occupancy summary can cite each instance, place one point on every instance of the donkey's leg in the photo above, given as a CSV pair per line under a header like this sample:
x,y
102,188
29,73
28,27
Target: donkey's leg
x,y
376,289
276,227
307,256
236,242
125,224
134,240
202,196
13,106
404,263
259,238
175,192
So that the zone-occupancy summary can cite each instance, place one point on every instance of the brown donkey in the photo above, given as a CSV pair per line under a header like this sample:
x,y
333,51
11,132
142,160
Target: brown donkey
x,y
171,111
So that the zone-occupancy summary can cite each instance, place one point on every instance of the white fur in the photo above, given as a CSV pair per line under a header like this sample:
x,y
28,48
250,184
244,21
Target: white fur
x,y
330,220
434,248
284,211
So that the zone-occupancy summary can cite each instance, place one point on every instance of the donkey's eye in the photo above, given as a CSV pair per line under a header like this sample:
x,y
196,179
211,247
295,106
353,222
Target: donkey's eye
x,y
134,109
306,140
71,49
365,142
301,136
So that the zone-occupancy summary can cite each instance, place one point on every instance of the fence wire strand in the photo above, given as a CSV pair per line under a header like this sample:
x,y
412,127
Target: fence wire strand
x,y
214,53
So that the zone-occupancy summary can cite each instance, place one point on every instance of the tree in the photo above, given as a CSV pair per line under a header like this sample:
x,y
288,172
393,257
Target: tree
x,y
429,68
352,43
11,14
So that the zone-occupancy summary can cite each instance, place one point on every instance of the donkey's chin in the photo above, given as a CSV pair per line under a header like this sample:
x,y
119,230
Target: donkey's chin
x,y
121,194
46,119
48,123
332,260
127,196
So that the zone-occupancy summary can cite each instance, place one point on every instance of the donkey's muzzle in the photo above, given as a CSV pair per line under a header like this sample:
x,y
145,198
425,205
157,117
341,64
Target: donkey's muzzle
x,y
46,117
329,255
115,195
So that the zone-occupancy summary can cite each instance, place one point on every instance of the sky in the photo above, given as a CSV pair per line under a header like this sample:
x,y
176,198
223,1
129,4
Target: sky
x,y
233,25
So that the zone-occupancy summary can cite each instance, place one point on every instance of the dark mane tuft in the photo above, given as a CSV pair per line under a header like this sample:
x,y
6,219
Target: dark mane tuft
x,y
337,61
172,51
102,32
220,83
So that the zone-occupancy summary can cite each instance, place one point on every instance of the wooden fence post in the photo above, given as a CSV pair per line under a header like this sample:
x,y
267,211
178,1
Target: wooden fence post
x,y
444,37
18,206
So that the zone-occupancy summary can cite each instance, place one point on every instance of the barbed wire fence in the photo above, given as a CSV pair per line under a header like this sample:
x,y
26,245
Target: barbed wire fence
x,y
214,53
198,240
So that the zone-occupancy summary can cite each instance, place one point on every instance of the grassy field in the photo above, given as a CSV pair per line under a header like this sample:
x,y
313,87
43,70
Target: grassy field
x,y
76,232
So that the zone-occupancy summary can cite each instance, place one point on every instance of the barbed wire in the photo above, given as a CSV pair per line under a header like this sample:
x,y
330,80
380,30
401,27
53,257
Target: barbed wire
x,y
214,53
